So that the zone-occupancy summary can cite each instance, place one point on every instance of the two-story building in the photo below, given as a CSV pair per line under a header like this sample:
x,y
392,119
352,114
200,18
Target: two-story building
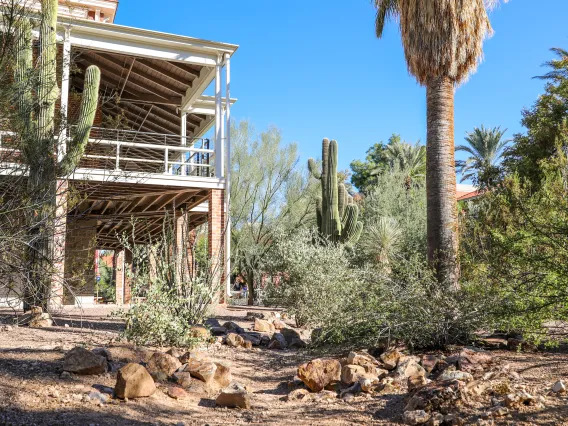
x,y
170,152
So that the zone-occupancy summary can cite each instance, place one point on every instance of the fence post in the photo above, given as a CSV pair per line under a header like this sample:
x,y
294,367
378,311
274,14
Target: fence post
x,y
117,156
166,154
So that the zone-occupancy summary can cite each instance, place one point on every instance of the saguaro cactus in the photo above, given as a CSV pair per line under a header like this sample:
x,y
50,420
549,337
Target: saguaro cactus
x,y
38,93
337,213
35,122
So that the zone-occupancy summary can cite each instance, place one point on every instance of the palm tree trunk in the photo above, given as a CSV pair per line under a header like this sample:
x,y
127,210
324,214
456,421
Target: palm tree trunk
x,y
442,215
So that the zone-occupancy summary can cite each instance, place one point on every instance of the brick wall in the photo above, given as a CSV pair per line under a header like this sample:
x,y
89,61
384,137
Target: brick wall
x,y
123,279
80,257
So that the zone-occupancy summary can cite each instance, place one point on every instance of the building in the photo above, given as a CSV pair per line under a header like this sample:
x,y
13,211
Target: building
x,y
158,163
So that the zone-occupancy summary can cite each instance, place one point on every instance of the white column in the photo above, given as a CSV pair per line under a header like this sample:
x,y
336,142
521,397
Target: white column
x,y
183,134
218,121
228,173
62,149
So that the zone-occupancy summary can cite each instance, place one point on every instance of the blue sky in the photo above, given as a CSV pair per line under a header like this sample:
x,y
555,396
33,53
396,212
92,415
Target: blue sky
x,y
314,68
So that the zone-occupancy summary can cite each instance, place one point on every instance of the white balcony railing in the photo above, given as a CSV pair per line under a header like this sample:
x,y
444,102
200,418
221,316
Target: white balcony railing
x,y
131,151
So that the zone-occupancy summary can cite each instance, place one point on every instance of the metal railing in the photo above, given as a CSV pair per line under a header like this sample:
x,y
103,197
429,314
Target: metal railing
x,y
129,151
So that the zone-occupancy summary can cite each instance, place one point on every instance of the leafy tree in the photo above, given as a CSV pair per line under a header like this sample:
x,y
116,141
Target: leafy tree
x,y
545,123
365,173
485,147
443,43
269,192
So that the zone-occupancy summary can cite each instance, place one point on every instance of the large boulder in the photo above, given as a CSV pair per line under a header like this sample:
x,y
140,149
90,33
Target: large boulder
x,y
263,326
134,381
201,369
290,334
234,396
81,361
319,373
278,341
233,327
254,338
361,358
409,367
163,362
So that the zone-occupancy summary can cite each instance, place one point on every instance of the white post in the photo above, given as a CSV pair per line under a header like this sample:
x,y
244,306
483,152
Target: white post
x,y
183,140
218,122
228,173
64,134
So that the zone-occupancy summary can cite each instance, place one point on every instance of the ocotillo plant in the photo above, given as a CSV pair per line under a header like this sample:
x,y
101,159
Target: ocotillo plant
x,y
336,211
36,96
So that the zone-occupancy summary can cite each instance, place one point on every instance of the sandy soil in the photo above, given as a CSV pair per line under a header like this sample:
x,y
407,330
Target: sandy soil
x,y
32,392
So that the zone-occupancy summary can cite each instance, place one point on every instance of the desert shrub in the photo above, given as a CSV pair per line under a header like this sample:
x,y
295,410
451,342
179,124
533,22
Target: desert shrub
x,y
313,278
515,241
358,306
170,293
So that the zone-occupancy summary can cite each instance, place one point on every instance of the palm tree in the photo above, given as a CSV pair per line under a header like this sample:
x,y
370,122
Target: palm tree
x,y
485,147
443,43
410,159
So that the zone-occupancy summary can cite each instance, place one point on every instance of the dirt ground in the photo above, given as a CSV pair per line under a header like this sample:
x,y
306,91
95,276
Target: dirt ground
x,y
32,392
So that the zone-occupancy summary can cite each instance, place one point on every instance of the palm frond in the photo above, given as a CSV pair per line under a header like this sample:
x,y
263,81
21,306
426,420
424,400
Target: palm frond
x,y
386,9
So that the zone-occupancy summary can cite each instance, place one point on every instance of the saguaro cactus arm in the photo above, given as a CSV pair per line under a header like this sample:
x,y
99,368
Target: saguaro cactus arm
x,y
87,114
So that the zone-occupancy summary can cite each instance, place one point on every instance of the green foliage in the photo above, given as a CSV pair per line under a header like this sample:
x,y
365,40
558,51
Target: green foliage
x,y
337,213
355,306
515,241
394,216
409,158
545,123
269,192
485,147
170,295
105,287
365,172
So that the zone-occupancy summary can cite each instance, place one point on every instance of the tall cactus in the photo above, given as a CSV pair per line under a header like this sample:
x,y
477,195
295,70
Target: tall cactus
x,y
337,213
36,95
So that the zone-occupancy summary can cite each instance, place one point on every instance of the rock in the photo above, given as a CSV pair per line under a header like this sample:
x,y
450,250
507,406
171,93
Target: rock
x,y
159,376
176,392
477,387
415,417
515,344
218,331
368,384
290,334
39,319
202,370
163,362
438,396
223,377
319,373
408,367
234,340
352,373
233,327
81,361
299,395
254,339
66,375
251,316
297,344
234,396
559,387
474,362
348,397
263,325
498,411
456,375
436,419
134,381
176,353
182,378
264,340
199,332
493,343
98,398
416,382
429,362
103,352
279,324
361,358
247,344
391,358
186,357
277,342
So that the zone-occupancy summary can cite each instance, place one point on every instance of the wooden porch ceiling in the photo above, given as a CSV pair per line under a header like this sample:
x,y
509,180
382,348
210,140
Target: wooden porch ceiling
x,y
124,209
147,92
